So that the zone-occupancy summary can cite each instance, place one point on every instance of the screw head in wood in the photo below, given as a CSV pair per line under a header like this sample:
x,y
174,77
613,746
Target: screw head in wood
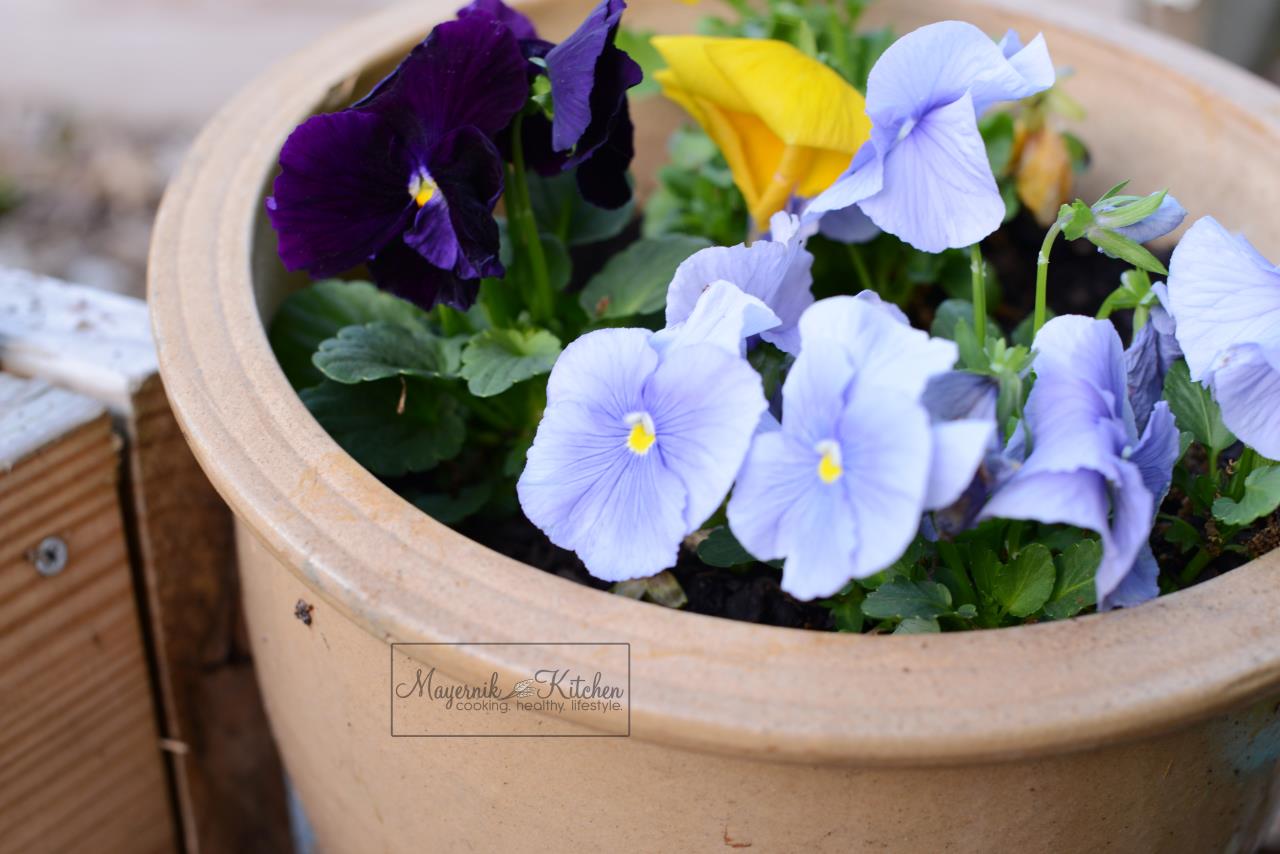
x,y
49,557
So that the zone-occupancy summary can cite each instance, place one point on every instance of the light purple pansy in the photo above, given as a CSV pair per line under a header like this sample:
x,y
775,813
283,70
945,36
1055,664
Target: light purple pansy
x,y
1165,219
777,271
639,444
924,175
1153,351
1225,299
1089,467
838,491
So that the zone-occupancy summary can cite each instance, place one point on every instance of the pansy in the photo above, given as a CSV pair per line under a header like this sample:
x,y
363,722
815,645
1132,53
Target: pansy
x,y
778,272
924,175
406,180
839,490
1089,467
587,77
1161,221
1225,299
639,444
1153,351
786,123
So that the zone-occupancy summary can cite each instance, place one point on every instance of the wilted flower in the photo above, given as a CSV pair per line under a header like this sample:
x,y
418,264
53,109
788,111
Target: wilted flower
x,y
637,448
1225,299
839,490
785,122
924,175
407,179
1044,173
777,272
1089,467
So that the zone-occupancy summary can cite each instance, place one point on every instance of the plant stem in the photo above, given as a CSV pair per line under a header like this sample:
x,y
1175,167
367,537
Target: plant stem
x,y
860,267
525,229
1247,462
978,269
1192,570
1042,275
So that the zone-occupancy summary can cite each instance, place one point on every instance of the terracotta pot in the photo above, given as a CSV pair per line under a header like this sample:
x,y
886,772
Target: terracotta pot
x,y
1151,729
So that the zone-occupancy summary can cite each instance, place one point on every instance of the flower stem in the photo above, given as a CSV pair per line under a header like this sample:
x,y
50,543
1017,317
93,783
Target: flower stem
x,y
525,230
979,271
1042,274
860,267
1193,569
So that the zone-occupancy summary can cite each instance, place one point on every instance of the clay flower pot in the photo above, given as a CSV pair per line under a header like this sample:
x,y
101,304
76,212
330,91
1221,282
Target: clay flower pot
x,y
1156,728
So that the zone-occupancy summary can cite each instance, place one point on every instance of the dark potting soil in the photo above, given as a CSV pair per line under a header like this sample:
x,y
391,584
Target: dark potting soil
x,y
1080,278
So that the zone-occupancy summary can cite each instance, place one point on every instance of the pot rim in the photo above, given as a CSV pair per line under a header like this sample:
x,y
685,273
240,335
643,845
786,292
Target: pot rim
x,y
702,682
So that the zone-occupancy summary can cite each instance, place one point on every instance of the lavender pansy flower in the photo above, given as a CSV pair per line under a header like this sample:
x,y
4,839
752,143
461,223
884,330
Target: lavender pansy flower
x,y
724,316
1089,466
406,180
1225,298
778,272
1153,351
839,489
637,446
588,77
1163,220
924,174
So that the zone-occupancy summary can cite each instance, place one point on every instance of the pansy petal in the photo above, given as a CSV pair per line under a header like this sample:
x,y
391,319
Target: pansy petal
x,y
468,169
402,271
571,67
883,349
955,395
1086,348
1072,426
705,404
724,317
819,536
1078,498
621,512
850,225
606,370
602,177
814,392
939,191
937,64
1221,292
342,193
1140,584
1133,514
887,445
1157,451
778,469
1246,384
1166,218
1144,373
519,25
863,179
958,449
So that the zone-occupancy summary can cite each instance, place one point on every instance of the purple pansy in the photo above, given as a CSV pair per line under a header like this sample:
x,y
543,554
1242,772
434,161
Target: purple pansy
x,y
838,491
406,180
924,174
590,127
1089,466
638,446
1225,299
778,272
1153,351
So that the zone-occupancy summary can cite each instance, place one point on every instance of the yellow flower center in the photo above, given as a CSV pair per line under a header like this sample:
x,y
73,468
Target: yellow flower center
x,y
829,466
422,188
642,435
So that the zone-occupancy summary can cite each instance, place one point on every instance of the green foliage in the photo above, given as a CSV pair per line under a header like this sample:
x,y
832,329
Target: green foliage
x,y
634,282
393,426
696,194
1073,589
497,359
379,350
1195,409
561,211
902,599
722,549
1261,497
639,44
1024,584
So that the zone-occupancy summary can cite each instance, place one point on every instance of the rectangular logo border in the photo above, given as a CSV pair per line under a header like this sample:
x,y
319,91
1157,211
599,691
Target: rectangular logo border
x,y
392,690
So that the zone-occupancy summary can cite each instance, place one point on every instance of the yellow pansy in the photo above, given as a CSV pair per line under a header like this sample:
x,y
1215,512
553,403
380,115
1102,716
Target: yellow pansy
x,y
785,122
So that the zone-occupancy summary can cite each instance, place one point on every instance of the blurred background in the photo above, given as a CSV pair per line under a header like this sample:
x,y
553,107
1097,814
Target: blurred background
x,y
99,99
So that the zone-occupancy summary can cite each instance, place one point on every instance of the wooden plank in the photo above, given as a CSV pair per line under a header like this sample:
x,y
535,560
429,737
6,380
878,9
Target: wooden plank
x,y
226,772
82,767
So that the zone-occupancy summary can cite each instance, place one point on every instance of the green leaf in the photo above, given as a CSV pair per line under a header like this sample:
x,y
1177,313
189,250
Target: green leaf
x,y
721,548
497,359
952,311
1025,332
1073,590
317,312
1130,211
1118,246
379,350
392,427
560,209
451,509
1024,585
917,626
1261,498
1182,534
846,610
634,282
638,43
998,133
1195,410
902,598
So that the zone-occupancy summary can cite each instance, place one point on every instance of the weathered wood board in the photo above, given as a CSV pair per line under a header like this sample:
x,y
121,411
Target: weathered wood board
x,y
226,773
80,762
